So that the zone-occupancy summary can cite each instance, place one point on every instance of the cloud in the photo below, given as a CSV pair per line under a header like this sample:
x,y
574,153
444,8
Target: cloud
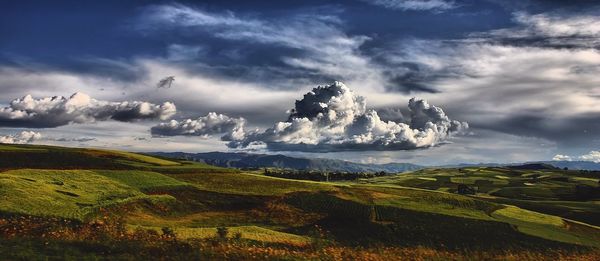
x,y
21,138
211,124
593,156
80,139
56,111
560,157
419,5
309,46
532,91
560,25
561,30
334,118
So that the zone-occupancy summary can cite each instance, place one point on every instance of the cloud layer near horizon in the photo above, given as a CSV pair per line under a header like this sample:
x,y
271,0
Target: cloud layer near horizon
x,y
21,138
593,156
328,118
57,111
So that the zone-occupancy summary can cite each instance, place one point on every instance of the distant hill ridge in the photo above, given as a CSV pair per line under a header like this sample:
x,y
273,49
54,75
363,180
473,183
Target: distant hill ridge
x,y
574,165
248,160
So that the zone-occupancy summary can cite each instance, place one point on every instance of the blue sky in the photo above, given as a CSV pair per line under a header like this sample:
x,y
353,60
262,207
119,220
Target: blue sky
x,y
521,74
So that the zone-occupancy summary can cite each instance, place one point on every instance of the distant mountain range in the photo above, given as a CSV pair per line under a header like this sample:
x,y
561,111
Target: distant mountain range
x,y
247,160
250,160
586,165
576,165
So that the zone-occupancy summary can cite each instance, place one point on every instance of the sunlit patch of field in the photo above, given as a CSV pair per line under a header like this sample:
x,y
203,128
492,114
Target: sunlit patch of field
x,y
254,233
547,226
250,184
142,180
132,156
4,147
63,193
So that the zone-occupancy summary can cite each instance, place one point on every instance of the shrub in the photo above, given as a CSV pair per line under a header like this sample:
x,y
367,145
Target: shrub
x,y
222,232
168,233
237,236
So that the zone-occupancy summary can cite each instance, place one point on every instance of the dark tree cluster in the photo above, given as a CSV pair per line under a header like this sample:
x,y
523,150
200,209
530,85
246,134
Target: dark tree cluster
x,y
317,175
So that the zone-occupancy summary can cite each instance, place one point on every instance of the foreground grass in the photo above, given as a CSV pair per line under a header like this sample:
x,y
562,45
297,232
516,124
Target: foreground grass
x,y
33,238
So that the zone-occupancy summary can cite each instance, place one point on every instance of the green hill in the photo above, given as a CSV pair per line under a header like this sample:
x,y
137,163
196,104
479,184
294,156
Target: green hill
x,y
101,203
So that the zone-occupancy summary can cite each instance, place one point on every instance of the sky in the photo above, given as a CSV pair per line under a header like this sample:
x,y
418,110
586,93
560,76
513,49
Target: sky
x,y
431,82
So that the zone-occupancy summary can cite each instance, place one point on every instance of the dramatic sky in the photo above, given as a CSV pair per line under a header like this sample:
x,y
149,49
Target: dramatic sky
x,y
421,81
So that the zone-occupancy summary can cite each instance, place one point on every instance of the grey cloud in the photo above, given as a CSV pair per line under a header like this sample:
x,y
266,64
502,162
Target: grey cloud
x,y
21,138
81,139
391,114
556,30
579,130
333,118
211,124
533,91
56,111
308,46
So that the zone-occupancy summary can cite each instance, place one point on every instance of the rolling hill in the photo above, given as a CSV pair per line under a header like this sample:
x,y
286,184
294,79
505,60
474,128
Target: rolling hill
x,y
101,204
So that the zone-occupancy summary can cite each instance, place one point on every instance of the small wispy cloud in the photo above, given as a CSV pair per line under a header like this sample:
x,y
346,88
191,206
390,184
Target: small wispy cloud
x,y
316,42
418,5
549,30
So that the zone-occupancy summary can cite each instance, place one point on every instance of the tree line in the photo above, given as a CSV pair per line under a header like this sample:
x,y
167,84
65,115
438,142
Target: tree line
x,y
317,175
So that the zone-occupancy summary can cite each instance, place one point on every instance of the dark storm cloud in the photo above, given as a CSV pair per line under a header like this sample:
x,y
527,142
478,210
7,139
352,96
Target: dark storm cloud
x,y
56,111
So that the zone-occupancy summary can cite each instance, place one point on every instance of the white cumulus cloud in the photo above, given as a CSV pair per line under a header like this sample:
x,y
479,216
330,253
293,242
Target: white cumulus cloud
x,y
211,124
560,157
334,118
57,111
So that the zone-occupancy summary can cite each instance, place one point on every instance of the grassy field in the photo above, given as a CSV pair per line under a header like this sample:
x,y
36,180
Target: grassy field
x,y
62,193
141,180
111,200
569,194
